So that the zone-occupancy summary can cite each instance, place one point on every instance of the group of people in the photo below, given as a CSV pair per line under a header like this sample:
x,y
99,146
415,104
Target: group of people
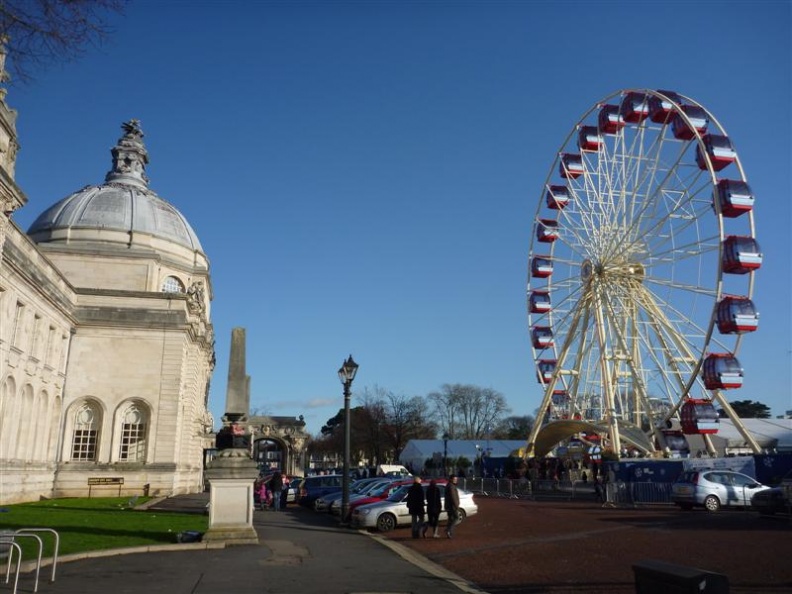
x,y
271,492
425,507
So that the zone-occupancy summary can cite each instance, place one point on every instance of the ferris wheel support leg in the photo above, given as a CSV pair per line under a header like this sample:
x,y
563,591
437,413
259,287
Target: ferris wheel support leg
x,y
711,450
739,425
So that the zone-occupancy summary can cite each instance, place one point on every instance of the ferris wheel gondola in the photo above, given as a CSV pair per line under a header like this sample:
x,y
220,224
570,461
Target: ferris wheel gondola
x,y
641,269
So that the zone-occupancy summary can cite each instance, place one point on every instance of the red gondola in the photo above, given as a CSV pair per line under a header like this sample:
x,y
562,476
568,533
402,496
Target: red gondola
x,y
557,197
610,119
722,371
541,267
741,255
542,337
539,302
698,118
589,138
660,109
560,398
736,315
720,151
735,197
635,107
571,166
676,441
545,369
547,230
698,416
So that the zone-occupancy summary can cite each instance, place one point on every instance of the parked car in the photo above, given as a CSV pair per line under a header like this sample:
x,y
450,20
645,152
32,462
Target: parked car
x,y
714,489
361,488
378,492
392,512
776,499
293,489
313,487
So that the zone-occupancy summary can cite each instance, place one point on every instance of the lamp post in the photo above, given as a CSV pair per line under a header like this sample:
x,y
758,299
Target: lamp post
x,y
346,374
445,454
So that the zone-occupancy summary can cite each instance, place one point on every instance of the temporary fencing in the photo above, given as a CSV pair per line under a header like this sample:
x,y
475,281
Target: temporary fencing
x,y
529,489
614,494
621,493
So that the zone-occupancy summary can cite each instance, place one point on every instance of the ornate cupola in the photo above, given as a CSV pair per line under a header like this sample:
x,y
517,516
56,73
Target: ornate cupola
x,y
129,157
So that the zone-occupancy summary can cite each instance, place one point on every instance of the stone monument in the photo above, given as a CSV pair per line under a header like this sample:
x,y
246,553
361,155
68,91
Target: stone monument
x,y
232,473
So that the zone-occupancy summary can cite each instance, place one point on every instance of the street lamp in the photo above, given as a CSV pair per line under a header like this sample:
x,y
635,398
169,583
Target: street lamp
x,y
346,374
445,454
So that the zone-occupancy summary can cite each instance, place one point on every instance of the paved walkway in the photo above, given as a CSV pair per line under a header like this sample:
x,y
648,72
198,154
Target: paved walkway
x,y
300,552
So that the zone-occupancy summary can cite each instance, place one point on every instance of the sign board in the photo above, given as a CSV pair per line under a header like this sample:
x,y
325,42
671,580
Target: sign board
x,y
103,481
106,480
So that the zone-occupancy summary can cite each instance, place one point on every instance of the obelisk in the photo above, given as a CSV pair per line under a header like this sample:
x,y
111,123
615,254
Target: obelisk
x,y
232,472
238,389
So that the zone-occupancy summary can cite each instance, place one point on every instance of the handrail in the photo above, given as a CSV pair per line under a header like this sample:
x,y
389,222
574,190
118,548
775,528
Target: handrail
x,y
56,548
19,533
7,539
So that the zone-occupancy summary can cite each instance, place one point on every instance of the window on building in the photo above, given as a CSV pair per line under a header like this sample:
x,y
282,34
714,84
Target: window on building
x,y
171,284
133,435
86,434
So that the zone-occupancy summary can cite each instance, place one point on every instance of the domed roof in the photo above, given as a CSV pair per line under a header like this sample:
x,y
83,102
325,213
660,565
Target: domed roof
x,y
123,203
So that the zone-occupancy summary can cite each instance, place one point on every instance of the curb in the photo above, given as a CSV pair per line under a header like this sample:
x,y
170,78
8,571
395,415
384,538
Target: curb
x,y
426,564
28,566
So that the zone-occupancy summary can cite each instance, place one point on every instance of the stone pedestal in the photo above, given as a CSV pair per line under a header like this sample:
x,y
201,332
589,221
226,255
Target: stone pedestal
x,y
231,475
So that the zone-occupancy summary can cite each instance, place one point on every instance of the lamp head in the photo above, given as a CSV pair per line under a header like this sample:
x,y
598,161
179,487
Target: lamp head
x,y
348,370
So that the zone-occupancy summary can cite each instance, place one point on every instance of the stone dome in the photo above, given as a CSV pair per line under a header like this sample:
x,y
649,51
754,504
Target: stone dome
x,y
121,210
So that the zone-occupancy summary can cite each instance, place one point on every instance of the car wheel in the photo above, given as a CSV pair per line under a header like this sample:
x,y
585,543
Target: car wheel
x,y
316,505
461,515
712,503
386,522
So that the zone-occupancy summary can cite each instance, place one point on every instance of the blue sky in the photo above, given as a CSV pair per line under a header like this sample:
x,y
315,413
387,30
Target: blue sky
x,y
363,175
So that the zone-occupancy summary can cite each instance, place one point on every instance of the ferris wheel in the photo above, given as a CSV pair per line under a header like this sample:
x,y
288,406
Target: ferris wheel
x,y
641,274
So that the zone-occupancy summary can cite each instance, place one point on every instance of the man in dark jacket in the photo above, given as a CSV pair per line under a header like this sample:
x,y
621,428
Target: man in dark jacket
x,y
452,505
415,505
276,486
434,506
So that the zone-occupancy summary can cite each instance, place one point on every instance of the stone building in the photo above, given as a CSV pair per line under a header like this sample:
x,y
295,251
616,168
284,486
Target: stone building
x,y
106,340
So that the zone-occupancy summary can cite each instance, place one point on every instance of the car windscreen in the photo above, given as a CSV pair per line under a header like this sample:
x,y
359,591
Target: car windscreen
x,y
399,494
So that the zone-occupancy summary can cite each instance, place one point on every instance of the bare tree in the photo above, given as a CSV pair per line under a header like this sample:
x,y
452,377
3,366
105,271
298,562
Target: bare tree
x,y
40,31
468,412
514,428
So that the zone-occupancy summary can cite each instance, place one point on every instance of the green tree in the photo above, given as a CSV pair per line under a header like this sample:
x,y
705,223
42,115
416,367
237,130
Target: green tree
x,y
748,409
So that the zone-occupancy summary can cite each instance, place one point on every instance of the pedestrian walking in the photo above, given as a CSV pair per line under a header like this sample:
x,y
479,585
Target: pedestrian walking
x,y
434,506
451,505
415,505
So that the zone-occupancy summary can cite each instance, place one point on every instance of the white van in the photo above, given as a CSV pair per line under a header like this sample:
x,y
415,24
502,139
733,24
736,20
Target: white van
x,y
396,470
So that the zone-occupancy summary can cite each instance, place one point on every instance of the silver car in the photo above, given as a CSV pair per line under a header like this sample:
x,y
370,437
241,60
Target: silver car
x,y
713,489
392,512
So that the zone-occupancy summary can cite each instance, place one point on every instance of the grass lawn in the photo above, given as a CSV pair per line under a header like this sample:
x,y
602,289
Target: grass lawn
x,y
96,524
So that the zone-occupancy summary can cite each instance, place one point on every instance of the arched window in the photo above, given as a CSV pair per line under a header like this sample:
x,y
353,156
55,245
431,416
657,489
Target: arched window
x,y
85,437
171,284
133,435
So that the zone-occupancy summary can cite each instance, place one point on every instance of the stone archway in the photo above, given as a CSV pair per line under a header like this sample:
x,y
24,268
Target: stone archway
x,y
269,454
279,443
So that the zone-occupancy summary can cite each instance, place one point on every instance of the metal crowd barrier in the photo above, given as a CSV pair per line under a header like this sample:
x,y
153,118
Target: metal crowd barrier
x,y
529,489
621,493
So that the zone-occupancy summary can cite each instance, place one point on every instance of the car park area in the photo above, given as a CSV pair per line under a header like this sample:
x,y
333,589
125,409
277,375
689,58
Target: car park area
x,y
514,546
